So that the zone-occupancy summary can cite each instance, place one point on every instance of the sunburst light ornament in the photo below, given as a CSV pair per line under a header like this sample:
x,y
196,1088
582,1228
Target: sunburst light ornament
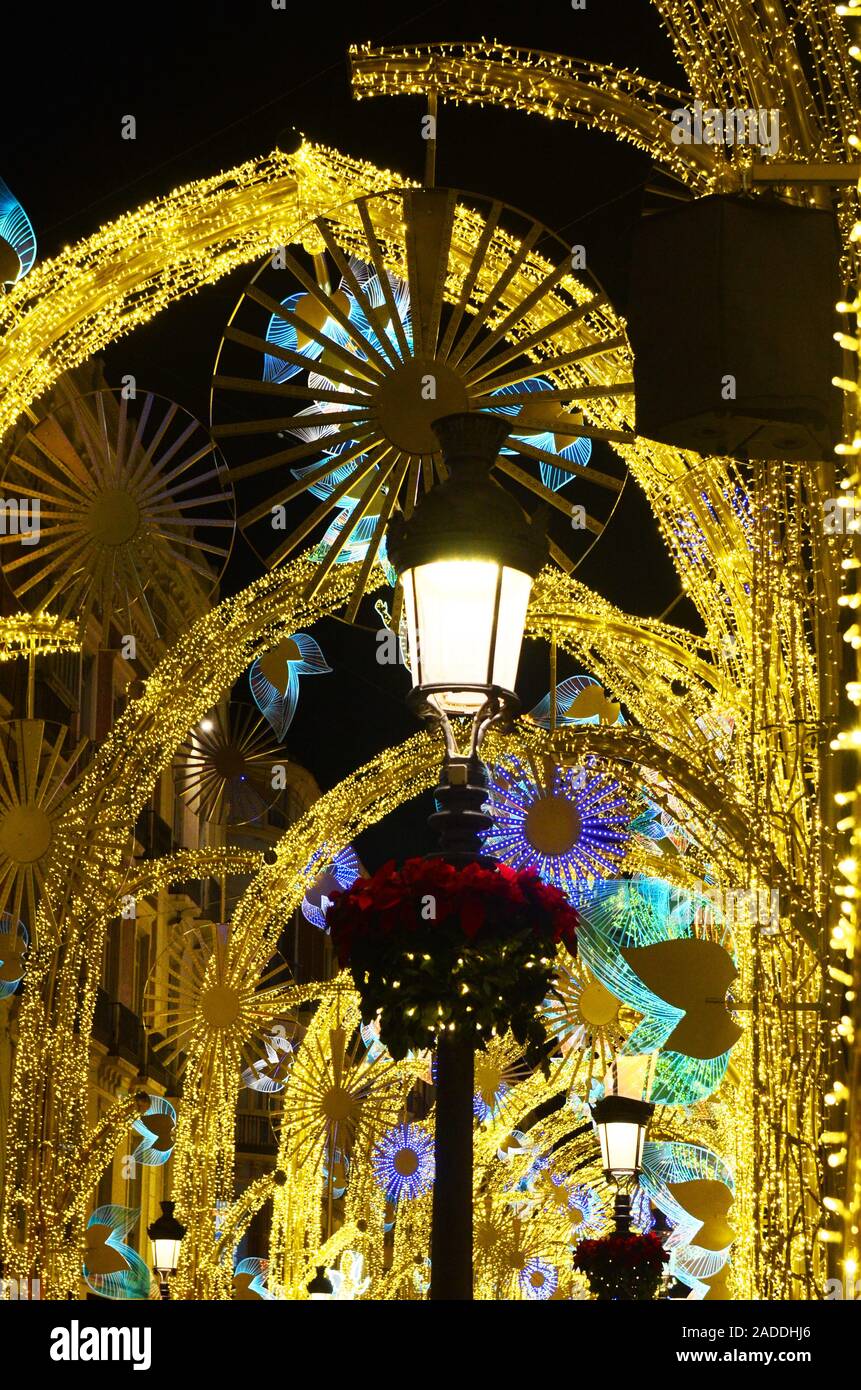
x,y
569,823
334,1088
226,768
403,1163
584,1019
37,774
207,997
130,494
413,288
495,1077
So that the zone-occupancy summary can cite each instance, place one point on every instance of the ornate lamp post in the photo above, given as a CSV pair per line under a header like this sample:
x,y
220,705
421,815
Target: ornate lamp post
x,y
166,1235
466,559
621,1119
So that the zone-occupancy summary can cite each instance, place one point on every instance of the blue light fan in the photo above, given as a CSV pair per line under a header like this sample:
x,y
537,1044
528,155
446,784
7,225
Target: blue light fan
x,y
111,1268
17,238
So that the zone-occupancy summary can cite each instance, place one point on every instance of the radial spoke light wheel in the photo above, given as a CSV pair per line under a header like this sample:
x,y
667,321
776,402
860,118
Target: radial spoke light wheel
x,y
400,308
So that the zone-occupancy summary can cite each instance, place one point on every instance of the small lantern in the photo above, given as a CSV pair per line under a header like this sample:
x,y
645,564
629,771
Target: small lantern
x,y
320,1286
466,559
622,1115
621,1123
166,1235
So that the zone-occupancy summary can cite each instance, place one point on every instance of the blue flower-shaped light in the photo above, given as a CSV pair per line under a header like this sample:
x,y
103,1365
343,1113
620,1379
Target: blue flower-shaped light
x,y
588,1213
577,450
572,830
403,1163
274,679
538,1279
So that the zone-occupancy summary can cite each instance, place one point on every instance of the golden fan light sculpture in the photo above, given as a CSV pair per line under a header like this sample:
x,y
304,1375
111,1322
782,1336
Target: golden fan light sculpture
x,y
130,494
37,773
225,770
203,996
444,302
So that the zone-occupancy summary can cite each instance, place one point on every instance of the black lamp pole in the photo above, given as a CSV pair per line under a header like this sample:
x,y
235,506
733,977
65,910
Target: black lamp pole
x,y
461,823
468,517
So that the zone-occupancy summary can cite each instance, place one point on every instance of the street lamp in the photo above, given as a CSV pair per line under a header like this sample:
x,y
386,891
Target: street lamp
x,y
621,1123
466,559
320,1286
621,1119
166,1235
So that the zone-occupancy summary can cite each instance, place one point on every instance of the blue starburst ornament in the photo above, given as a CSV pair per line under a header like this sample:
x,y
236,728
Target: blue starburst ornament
x,y
111,1268
403,1163
538,1279
156,1126
588,1212
17,238
274,679
341,873
571,824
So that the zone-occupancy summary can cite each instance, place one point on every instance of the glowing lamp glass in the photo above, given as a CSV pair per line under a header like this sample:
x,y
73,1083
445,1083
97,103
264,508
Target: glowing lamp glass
x,y
165,1255
465,621
621,1148
621,1123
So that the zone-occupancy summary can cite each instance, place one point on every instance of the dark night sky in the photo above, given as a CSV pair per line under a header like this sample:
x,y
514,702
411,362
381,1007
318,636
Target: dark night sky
x,y
213,84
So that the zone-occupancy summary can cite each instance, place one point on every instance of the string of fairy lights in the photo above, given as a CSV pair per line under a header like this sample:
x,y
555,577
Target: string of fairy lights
x,y
841,1230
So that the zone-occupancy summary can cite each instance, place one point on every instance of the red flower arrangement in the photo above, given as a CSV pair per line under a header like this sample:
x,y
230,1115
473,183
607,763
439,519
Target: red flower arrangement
x,y
622,1266
431,944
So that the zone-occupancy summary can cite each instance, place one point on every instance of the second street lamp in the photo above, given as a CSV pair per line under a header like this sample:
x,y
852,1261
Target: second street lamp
x,y
466,559
166,1235
621,1119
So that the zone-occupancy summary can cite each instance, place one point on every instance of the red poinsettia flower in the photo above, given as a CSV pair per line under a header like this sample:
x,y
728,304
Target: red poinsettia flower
x,y
479,895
